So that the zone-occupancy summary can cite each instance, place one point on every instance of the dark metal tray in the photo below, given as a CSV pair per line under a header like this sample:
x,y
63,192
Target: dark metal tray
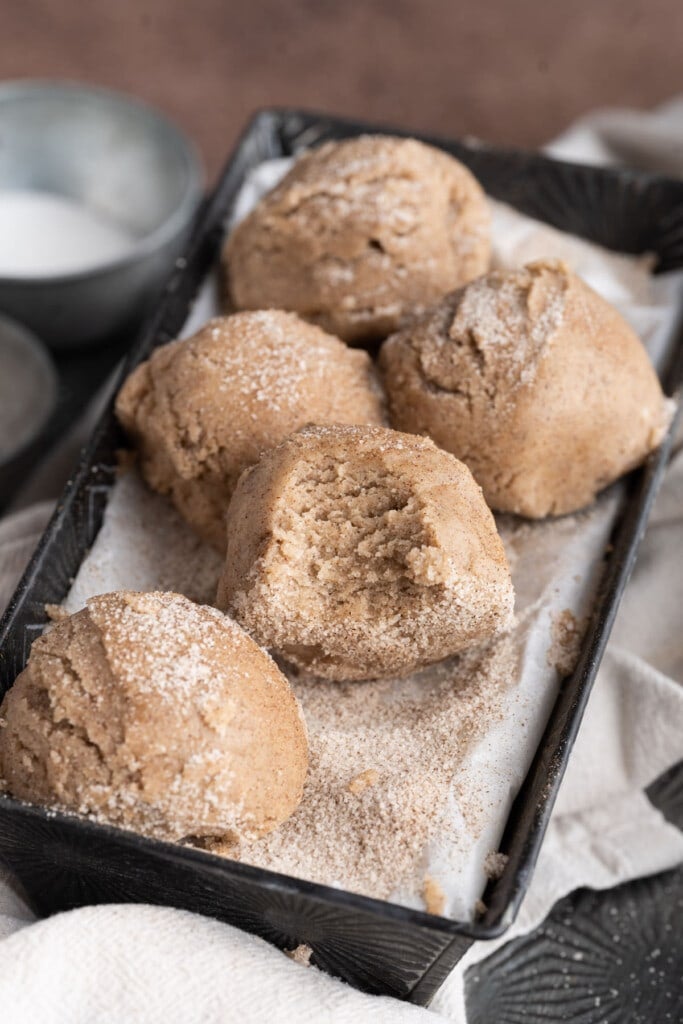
x,y
64,862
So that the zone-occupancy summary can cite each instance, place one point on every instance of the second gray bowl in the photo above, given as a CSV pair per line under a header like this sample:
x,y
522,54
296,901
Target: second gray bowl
x,y
124,162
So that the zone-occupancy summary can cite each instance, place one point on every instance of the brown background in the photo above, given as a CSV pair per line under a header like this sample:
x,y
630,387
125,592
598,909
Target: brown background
x,y
514,72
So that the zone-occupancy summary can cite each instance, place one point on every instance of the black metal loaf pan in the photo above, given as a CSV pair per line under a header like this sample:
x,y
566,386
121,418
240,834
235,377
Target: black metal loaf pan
x,y
64,862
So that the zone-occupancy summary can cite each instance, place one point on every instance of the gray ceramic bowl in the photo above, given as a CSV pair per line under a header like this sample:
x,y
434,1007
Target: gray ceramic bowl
x,y
28,389
127,164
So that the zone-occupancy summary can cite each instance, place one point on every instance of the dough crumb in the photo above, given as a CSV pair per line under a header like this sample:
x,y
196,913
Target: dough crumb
x,y
55,612
221,846
494,864
300,955
363,781
433,896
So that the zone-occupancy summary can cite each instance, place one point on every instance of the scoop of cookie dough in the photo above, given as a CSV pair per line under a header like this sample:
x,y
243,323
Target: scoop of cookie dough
x,y
534,381
203,409
358,552
358,234
156,714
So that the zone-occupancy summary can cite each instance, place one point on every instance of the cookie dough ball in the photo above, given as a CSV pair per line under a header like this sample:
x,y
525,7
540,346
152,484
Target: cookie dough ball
x,y
534,381
359,552
203,409
359,233
156,714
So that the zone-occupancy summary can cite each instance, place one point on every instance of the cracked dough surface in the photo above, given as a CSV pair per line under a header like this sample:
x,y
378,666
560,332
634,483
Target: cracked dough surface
x,y
535,381
360,233
154,713
358,552
202,409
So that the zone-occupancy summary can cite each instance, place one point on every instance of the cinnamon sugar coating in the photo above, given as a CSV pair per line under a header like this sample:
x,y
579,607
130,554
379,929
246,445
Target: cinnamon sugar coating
x,y
153,713
360,233
359,552
203,409
534,381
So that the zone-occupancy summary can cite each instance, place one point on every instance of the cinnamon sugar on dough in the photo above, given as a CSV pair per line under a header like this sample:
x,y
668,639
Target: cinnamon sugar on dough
x,y
151,712
360,233
359,552
202,409
534,381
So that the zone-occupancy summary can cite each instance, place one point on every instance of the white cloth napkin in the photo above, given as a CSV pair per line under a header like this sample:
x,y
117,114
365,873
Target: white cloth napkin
x,y
152,964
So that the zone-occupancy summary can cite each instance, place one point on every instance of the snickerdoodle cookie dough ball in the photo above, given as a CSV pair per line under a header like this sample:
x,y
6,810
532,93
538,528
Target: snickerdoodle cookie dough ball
x,y
155,714
359,233
358,552
534,381
203,409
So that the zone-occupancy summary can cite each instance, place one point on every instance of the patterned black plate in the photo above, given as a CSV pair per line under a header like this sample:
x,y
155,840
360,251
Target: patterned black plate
x,y
614,956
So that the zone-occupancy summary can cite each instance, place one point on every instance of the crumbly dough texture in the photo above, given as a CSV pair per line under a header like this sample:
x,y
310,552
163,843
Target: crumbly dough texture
x,y
359,552
153,713
360,233
202,409
534,381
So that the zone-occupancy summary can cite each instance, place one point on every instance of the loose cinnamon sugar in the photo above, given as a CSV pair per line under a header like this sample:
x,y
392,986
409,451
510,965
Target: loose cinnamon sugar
x,y
372,839
566,634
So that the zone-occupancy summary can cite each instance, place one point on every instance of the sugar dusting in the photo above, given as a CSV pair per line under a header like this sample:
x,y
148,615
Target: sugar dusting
x,y
292,361
170,646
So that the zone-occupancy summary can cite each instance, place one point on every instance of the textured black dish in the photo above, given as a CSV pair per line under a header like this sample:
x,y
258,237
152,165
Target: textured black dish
x,y
64,862
80,374
611,957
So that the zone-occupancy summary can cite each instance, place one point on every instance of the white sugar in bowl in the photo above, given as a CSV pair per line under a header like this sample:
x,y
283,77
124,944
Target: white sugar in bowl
x,y
97,197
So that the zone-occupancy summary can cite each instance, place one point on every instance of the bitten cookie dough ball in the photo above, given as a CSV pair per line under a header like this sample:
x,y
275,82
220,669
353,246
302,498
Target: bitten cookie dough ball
x,y
360,233
534,381
203,409
155,714
359,552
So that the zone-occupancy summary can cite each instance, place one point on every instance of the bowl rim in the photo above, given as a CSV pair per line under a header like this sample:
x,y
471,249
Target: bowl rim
x,y
41,355
169,228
